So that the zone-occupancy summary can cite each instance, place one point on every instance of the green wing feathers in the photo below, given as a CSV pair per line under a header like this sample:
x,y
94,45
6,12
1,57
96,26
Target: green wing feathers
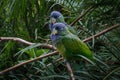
x,y
72,30
70,46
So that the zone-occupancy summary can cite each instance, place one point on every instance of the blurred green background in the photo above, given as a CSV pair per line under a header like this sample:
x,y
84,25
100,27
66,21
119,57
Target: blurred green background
x,y
28,19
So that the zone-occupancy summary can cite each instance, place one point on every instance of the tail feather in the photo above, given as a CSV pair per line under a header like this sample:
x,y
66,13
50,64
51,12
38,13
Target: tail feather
x,y
100,62
87,59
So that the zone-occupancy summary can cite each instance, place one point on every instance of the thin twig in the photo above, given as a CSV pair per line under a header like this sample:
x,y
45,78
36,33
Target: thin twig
x,y
101,33
70,70
51,64
26,62
108,75
46,66
48,46
55,61
80,16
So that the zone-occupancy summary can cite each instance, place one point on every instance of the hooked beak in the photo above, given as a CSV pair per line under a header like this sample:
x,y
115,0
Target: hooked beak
x,y
53,20
54,32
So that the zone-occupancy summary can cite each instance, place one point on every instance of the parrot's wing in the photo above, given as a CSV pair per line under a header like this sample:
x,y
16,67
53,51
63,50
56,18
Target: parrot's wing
x,y
71,29
61,19
72,46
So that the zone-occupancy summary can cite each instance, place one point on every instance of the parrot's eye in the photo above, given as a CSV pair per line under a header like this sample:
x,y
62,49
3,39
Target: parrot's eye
x,y
59,28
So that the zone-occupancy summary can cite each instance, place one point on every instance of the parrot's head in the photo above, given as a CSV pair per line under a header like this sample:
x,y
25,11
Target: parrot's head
x,y
58,28
56,16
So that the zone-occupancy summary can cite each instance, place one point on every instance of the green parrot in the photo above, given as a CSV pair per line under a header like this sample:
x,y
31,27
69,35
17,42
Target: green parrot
x,y
55,17
69,44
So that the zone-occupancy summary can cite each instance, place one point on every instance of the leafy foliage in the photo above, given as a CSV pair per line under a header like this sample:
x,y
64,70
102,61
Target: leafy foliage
x,y
28,19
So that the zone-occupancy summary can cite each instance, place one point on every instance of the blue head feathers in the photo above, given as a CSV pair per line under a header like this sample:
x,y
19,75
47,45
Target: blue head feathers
x,y
57,26
55,14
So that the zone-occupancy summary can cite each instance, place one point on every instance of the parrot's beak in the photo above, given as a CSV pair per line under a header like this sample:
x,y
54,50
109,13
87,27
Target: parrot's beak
x,y
54,32
53,20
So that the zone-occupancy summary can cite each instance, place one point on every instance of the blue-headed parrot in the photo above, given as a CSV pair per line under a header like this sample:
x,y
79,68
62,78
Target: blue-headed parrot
x,y
69,44
55,17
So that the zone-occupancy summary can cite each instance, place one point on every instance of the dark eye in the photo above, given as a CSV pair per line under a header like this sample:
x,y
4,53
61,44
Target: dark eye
x,y
57,28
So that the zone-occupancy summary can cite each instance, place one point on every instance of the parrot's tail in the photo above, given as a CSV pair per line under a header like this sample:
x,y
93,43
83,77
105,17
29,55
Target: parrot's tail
x,y
87,59
100,62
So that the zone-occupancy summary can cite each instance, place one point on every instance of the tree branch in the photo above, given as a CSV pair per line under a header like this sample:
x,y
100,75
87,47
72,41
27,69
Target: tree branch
x,y
26,62
45,67
80,16
59,59
48,46
70,70
101,33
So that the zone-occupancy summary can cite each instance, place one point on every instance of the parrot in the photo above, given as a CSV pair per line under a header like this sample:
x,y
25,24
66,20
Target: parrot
x,y
56,16
69,45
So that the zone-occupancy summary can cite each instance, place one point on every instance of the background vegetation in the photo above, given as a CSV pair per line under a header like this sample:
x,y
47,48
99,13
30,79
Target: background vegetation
x,y
28,19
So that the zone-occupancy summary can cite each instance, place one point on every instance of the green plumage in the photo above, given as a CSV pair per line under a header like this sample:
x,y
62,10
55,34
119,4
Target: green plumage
x,y
71,47
71,29
60,19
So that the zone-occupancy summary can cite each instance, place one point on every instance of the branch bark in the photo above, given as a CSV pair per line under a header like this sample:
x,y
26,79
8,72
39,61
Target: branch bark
x,y
26,62
70,70
59,59
48,46
80,16
101,33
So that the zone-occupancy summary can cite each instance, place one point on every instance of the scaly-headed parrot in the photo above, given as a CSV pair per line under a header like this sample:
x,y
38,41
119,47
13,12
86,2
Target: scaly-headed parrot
x,y
69,45
55,17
